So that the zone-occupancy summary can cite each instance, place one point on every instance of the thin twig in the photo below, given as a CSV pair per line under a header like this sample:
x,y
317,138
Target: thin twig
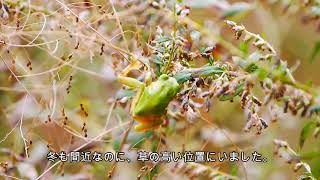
x,y
20,127
119,24
82,146
124,139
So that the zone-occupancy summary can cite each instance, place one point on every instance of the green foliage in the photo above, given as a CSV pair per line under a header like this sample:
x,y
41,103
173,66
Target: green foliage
x,y
65,57
310,155
306,131
124,93
234,169
227,97
136,140
315,52
244,47
237,9
204,71
315,109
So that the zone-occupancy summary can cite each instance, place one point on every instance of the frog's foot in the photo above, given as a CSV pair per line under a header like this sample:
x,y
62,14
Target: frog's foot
x,y
148,126
134,65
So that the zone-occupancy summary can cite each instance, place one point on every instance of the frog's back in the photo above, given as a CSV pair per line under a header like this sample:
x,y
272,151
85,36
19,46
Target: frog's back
x,y
157,96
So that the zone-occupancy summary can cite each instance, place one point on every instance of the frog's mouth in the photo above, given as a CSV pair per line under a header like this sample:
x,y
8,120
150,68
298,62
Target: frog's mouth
x,y
148,122
147,119
146,127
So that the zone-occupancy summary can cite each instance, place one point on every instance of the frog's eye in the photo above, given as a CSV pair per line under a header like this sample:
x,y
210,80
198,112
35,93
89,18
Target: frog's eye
x,y
164,77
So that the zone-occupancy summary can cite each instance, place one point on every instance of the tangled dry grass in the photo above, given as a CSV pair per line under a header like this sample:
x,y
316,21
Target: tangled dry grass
x,y
58,92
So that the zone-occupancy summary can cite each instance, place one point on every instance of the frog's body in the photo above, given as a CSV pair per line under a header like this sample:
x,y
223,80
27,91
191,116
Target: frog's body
x,y
156,96
151,100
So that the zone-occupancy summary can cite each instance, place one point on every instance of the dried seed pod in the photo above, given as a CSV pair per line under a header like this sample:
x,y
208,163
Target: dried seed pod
x,y
221,89
293,108
185,103
102,49
286,106
193,91
49,118
274,113
209,49
297,166
77,46
248,125
256,101
69,85
247,38
205,94
260,44
29,65
280,91
200,82
207,105
70,56
230,23
154,4
316,132
267,99
183,92
264,123
83,111
280,143
233,87
244,99
305,110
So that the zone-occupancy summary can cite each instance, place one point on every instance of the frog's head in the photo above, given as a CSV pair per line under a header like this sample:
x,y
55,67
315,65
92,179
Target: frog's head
x,y
170,83
164,77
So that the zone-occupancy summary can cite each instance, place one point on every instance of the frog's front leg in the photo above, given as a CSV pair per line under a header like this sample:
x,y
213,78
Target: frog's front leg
x,y
133,83
128,81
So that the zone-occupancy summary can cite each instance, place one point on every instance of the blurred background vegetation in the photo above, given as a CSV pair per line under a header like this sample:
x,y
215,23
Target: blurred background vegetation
x,y
58,87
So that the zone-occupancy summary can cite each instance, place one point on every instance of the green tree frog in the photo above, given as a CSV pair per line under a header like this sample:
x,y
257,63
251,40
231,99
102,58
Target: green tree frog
x,y
152,98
